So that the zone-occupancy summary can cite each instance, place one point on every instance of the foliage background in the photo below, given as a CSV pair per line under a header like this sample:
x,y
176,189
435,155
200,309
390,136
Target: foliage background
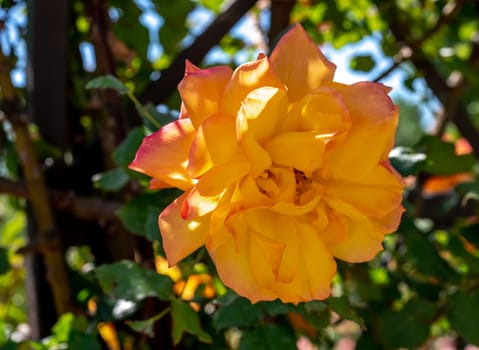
x,y
80,253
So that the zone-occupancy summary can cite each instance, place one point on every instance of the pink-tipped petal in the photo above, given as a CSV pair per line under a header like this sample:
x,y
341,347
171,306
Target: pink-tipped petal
x,y
201,91
164,155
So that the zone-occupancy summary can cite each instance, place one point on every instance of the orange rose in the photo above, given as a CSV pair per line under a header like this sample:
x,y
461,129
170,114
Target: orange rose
x,y
283,170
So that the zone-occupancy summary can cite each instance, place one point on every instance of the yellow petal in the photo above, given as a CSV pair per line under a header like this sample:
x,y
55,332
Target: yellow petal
x,y
389,222
315,269
197,205
219,178
279,232
292,209
247,77
251,194
375,194
362,243
300,64
265,257
220,230
258,157
324,111
371,137
336,229
181,237
260,112
317,261
164,154
301,150
235,270
214,143
201,91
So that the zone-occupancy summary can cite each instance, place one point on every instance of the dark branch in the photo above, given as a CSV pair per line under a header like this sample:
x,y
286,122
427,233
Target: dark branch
x,y
162,88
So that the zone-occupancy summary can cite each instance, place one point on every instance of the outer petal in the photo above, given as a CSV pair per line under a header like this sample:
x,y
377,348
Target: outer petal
x,y
278,247
235,270
389,222
164,154
181,237
336,230
201,91
375,194
247,77
316,269
300,64
362,244
369,141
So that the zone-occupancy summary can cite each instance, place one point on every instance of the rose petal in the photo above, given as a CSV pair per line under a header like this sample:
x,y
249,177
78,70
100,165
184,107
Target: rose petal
x,y
201,91
260,112
181,237
300,64
247,77
164,154
362,243
277,230
324,112
265,255
197,205
301,150
374,119
214,144
235,270
375,194
316,269
336,229
219,178
389,222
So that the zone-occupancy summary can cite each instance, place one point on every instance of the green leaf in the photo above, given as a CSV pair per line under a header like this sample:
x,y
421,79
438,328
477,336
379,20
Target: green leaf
x,y
146,326
276,307
152,231
125,153
362,63
422,255
406,161
408,328
107,82
185,319
73,330
462,314
213,5
442,158
344,309
470,234
409,130
136,214
268,337
128,280
240,313
4,262
111,180
150,113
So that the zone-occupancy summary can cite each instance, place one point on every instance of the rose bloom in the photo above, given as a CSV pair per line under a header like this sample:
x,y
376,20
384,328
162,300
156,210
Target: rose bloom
x,y
283,170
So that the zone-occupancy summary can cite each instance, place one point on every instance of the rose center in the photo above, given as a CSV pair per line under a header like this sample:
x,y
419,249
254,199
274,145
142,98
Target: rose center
x,y
303,183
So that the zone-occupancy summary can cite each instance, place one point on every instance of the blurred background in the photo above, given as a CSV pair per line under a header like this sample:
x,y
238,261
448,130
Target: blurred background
x,y
81,263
